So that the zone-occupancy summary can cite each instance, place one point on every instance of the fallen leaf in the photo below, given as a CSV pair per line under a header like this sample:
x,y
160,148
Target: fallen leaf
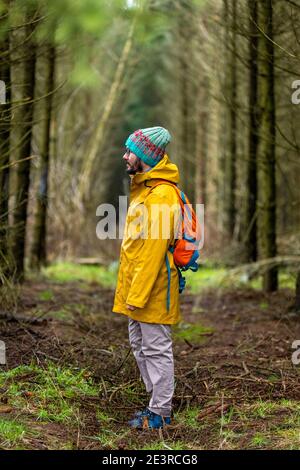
x,y
5,409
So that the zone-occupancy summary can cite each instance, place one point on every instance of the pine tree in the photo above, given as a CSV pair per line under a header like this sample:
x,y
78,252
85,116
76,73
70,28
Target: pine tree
x,y
24,150
266,204
251,170
38,249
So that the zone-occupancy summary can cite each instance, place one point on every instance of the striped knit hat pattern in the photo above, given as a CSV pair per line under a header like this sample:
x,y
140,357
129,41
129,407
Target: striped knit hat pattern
x,y
149,144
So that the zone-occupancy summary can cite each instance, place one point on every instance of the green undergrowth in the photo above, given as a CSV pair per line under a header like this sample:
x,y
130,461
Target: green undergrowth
x,y
70,272
46,295
68,311
50,393
192,332
43,394
259,425
11,433
220,277
167,445
207,276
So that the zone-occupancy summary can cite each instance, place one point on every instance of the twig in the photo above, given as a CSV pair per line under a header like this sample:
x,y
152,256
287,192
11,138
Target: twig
x,y
282,380
122,363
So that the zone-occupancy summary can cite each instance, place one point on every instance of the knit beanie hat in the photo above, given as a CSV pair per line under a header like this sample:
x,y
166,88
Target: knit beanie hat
x,y
149,144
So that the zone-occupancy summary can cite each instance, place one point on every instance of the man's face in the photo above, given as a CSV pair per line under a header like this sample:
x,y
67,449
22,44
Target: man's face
x,y
133,163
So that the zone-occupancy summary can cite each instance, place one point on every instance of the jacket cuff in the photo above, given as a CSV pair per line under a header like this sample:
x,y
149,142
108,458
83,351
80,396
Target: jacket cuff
x,y
135,303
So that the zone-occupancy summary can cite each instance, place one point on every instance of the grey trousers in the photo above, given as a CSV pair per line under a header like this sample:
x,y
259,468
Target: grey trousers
x,y
151,345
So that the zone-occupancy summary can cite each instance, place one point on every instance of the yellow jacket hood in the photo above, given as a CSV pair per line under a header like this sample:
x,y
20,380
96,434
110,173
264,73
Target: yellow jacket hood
x,y
164,169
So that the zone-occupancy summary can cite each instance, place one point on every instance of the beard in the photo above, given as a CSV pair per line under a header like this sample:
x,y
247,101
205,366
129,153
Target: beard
x,y
135,168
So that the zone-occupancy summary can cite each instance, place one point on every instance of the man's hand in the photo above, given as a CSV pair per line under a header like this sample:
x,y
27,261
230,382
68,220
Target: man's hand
x,y
130,307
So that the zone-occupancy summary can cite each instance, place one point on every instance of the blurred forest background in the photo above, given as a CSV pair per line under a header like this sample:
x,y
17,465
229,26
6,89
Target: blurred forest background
x,y
80,76
77,76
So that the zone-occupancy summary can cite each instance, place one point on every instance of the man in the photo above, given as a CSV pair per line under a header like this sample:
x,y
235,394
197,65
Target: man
x,y
147,287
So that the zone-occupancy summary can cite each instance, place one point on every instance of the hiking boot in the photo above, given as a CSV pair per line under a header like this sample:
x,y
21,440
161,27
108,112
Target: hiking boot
x,y
144,412
146,419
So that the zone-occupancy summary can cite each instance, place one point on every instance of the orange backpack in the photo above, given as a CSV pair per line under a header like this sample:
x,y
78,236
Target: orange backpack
x,y
187,239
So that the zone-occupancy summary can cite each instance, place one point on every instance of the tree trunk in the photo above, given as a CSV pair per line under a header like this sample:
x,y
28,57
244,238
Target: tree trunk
x,y
266,203
251,170
230,163
201,144
184,96
23,168
5,122
187,59
38,255
224,128
297,298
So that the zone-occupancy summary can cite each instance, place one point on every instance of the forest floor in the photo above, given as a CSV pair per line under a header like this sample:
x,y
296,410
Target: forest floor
x,y
71,382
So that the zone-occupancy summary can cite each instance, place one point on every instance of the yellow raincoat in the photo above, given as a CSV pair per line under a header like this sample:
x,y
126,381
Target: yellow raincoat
x,y
148,277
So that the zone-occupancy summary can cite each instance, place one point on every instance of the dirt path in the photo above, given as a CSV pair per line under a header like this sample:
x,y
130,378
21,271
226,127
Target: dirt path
x,y
236,386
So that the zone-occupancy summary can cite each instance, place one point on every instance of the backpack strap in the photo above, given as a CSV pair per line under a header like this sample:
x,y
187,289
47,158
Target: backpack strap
x,y
169,281
160,182
184,204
